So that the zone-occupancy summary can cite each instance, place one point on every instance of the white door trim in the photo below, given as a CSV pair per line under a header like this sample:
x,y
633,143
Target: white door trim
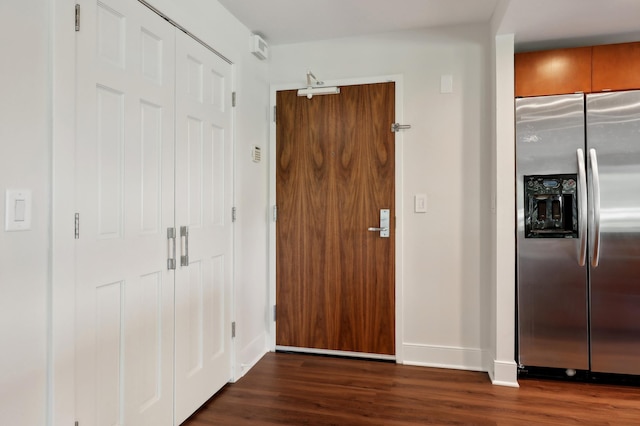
x,y
398,79
61,297
330,352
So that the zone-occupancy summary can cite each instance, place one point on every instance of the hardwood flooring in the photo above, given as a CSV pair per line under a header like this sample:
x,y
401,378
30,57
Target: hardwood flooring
x,y
296,389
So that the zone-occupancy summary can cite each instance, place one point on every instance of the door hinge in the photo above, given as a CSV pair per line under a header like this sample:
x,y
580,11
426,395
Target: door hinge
x,y
233,214
275,112
171,248
275,213
233,329
77,17
233,99
396,127
274,313
76,226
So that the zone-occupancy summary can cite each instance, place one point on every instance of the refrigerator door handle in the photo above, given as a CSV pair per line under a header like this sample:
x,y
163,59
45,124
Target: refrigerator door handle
x,y
595,207
582,208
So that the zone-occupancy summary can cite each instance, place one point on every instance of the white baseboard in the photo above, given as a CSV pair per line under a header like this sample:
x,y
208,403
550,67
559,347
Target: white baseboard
x,y
443,357
250,355
505,373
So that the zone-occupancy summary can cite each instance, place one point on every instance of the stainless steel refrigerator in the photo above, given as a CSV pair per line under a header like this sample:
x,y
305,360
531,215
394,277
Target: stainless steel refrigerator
x,y
578,232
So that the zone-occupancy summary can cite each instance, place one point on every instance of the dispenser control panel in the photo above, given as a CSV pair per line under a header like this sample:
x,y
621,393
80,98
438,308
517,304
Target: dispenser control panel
x,y
551,206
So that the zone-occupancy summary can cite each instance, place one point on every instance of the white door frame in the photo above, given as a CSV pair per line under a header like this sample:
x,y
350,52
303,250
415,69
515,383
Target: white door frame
x,y
61,297
398,80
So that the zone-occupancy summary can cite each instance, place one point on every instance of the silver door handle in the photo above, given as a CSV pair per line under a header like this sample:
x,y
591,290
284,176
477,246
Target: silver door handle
x,y
184,245
385,215
171,248
595,206
582,210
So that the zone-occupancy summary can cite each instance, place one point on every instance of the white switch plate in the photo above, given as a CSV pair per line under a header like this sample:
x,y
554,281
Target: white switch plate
x,y
446,83
17,210
420,203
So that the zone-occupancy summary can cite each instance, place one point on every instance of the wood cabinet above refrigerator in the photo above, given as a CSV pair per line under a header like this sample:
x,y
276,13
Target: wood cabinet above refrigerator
x,y
616,67
610,67
553,72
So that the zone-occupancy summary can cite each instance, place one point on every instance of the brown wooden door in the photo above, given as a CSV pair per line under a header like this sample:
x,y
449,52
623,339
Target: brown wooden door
x,y
335,170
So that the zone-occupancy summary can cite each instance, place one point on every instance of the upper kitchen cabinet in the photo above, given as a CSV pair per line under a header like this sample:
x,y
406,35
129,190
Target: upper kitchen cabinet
x,y
553,72
616,67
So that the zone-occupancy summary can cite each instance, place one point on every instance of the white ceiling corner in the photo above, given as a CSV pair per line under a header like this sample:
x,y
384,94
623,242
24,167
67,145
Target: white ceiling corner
x,y
534,22
296,21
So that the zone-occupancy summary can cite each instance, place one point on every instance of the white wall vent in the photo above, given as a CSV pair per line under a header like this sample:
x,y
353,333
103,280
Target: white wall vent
x,y
259,47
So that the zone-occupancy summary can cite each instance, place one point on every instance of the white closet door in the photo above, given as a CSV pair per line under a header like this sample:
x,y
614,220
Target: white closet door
x,y
204,185
125,197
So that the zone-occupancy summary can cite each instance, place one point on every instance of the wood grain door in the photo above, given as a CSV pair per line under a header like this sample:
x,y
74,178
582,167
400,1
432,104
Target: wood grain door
x,y
335,286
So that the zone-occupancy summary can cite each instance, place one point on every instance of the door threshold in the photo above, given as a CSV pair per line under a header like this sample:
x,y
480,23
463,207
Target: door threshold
x,y
329,352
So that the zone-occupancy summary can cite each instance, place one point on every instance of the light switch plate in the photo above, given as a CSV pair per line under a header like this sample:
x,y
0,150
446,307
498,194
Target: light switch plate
x,y
17,210
446,83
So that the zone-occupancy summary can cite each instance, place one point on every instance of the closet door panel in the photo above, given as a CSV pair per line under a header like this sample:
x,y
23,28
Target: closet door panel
x,y
204,187
125,200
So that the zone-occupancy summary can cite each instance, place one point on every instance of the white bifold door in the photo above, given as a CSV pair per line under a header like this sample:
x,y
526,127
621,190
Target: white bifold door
x,y
153,158
204,186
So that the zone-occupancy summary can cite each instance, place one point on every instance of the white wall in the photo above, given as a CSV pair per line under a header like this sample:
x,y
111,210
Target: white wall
x,y
446,155
24,164
504,368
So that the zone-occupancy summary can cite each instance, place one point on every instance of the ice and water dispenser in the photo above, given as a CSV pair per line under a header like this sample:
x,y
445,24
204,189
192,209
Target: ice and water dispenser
x,y
551,206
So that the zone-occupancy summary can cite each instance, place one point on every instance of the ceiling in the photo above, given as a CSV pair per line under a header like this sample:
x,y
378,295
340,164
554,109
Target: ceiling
x,y
296,21
540,24
535,23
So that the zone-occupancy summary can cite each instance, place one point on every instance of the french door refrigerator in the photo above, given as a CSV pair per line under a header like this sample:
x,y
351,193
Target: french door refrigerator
x,y
578,232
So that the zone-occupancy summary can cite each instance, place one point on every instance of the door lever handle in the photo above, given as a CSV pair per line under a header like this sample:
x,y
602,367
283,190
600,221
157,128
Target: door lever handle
x,y
383,229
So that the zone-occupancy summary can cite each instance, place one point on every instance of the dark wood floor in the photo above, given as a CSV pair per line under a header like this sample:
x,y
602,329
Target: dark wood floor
x,y
294,389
